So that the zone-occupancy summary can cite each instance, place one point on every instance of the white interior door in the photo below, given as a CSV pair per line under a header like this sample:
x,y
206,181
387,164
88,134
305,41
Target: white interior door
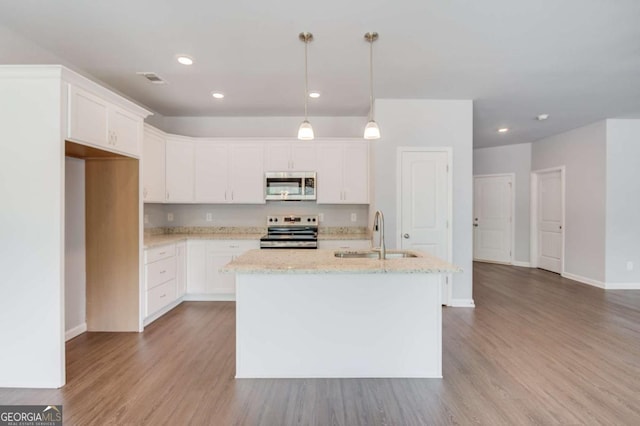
x,y
492,218
550,221
424,196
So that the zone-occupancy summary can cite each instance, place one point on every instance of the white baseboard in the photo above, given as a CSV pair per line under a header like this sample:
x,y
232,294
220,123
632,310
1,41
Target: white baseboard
x,y
462,303
521,264
148,320
209,297
75,331
584,280
622,286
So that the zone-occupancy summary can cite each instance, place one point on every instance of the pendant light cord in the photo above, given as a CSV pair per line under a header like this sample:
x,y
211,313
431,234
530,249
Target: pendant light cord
x,y
306,80
371,79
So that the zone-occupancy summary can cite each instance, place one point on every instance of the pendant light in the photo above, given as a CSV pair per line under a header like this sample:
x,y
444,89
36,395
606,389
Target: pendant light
x,y
305,131
371,130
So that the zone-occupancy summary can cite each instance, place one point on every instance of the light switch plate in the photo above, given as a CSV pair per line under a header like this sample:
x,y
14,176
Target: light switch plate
x,y
209,217
320,217
354,217
169,217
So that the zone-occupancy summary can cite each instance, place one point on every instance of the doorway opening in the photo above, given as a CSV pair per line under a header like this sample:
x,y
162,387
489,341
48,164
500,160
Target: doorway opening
x,y
493,218
548,219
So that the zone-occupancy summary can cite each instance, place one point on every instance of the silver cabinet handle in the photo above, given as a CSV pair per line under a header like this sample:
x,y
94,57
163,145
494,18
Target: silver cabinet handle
x,y
406,236
231,195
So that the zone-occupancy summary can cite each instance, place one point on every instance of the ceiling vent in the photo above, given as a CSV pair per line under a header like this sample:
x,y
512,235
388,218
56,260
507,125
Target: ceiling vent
x,y
152,77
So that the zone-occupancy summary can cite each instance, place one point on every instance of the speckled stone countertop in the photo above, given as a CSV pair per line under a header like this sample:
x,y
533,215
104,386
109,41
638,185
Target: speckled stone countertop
x,y
324,262
161,236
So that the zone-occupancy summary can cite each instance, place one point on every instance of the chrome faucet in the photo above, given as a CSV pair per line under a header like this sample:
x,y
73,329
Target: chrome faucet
x,y
378,225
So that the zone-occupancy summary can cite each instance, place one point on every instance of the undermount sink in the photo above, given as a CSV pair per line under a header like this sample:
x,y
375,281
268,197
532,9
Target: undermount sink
x,y
372,254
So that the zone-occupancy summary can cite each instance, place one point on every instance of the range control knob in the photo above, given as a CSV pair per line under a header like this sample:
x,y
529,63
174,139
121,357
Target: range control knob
x,y
314,219
308,219
270,219
275,220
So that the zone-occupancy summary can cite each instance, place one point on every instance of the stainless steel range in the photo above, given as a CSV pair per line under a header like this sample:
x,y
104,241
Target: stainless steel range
x,y
291,232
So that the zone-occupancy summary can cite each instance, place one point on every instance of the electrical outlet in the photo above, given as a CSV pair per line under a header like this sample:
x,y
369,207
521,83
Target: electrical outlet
x,y
169,217
354,217
146,218
629,265
209,217
320,217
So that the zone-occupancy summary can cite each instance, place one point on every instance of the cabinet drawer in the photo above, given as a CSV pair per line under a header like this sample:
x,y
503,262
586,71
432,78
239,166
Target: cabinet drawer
x,y
161,296
161,271
239,246
344,244
158,253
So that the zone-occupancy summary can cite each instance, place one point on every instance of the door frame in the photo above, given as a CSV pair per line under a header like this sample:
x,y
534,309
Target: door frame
x,y
513,215
534,214
449,150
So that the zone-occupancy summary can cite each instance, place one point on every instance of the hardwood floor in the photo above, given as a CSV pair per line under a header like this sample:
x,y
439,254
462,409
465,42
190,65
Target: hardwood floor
x,y
537,349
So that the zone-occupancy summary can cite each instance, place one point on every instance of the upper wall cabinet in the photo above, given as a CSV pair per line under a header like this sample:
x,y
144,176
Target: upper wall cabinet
x,y
343,173
180,170
290,156
229,173
95,121
153,166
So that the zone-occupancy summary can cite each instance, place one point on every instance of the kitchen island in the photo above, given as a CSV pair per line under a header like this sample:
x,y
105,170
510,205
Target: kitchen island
x,y
308,313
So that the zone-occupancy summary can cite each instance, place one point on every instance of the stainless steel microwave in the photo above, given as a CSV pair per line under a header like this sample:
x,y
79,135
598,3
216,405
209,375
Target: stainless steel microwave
x,y
290,186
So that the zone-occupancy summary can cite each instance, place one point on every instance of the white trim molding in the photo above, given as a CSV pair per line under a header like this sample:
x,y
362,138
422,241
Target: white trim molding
x,y
209,297
583,280
462,303
622,286
521,264
75,331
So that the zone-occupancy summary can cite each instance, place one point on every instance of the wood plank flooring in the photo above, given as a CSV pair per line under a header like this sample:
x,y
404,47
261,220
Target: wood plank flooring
x,y
537,349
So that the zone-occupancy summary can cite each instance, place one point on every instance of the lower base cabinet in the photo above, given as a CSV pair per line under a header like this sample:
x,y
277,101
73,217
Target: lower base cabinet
x,y
163,274
206,257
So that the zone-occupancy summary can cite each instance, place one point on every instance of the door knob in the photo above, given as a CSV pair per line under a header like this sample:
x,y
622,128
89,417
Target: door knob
x,y
406,235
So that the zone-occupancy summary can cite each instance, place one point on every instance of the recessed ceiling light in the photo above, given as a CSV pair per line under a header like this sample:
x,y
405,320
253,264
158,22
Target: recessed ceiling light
x,y
542,117
503,130
185,60
217,95
314,95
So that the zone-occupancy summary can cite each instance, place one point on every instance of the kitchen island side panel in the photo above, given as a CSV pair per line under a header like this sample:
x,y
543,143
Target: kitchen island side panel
x,y
338,325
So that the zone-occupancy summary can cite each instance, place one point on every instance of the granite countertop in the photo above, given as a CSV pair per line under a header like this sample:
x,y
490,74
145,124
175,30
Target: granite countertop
x,y
324,262
221,233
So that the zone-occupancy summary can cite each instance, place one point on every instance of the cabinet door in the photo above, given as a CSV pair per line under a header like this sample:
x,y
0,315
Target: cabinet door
x,y
125,130
329,175
304,157
246,173
88,118
196,267
277,157
181,269
356,174
153,170
211,173
217,282
180,171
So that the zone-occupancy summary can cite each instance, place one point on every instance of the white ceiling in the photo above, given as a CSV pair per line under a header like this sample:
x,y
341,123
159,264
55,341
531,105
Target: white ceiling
x,y
577,60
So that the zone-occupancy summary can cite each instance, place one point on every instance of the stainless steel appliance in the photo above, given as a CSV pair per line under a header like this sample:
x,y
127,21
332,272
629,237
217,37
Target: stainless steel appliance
x,y
291,232
290,186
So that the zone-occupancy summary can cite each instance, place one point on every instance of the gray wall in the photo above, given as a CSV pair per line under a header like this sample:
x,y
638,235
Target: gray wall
x,y
623,201
583,152
260,126
250,215
75,276
511,159
428,123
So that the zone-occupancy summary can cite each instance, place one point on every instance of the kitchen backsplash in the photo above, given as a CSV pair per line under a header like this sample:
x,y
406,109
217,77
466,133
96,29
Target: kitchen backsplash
x,y
190,215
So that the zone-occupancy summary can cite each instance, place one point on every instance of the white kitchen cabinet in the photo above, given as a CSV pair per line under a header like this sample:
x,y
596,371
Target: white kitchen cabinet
x,y
211,174
287,156
229,173
97,122
344,244
205,281
181,269
180,173
343,173
162,275
246,173
153,166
